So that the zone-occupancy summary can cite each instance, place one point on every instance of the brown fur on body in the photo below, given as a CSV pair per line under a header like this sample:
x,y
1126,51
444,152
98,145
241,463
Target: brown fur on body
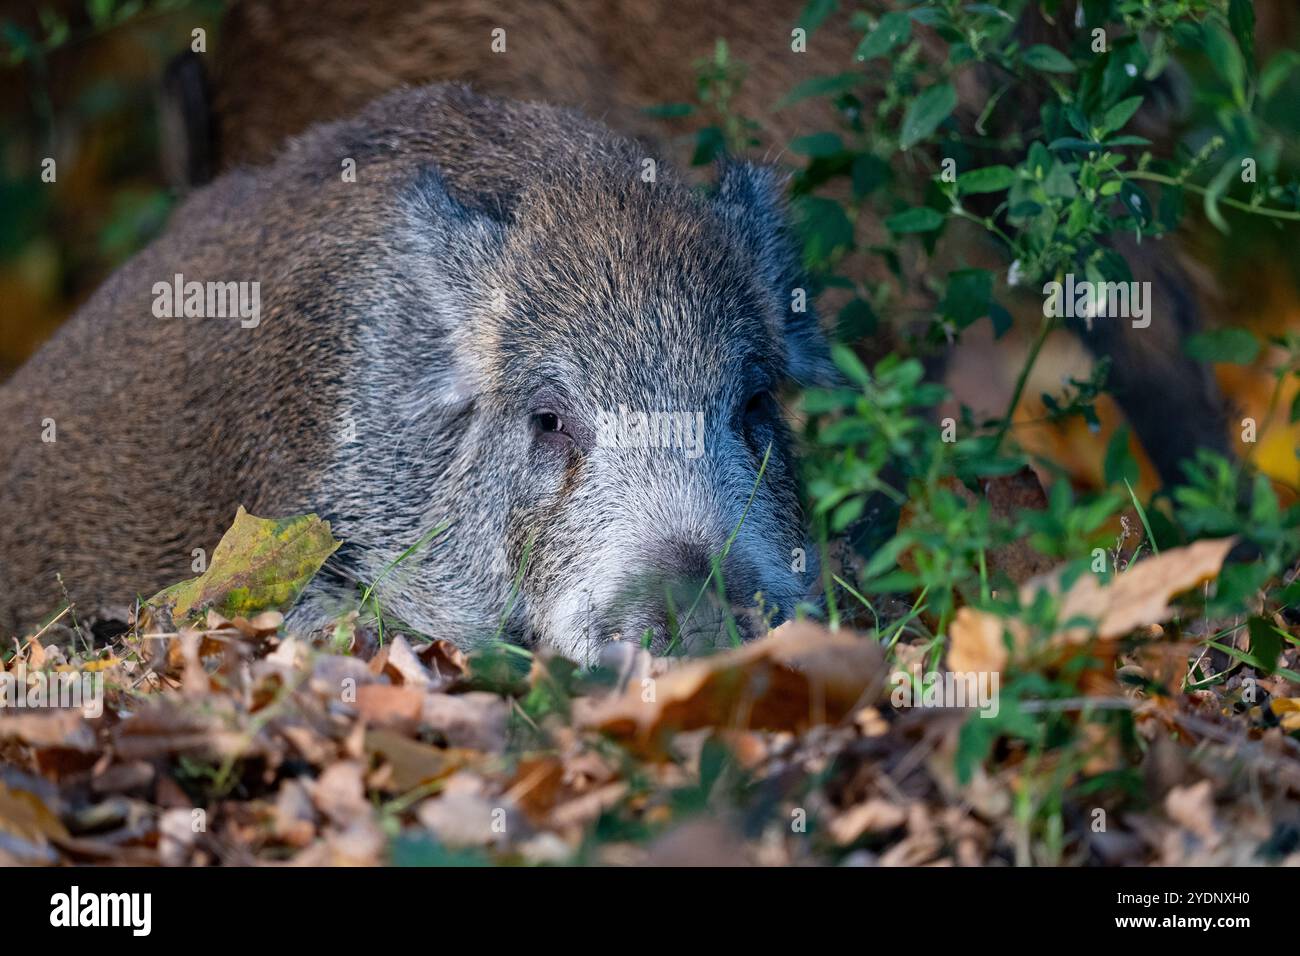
x,y
280,65
492,260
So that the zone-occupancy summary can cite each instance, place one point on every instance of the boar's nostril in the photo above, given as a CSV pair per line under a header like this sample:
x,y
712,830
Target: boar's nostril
x,y
676,601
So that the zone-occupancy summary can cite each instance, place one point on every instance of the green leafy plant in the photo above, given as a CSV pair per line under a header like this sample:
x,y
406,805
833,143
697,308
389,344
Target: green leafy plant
x,y
1051,194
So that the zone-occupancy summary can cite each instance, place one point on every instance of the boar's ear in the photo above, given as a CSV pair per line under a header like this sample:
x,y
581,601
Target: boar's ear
x,y
448,246
750,198
465,224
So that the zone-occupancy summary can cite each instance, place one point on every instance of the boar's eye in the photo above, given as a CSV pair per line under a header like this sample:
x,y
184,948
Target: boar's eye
x,y
547,421
550,429
759,406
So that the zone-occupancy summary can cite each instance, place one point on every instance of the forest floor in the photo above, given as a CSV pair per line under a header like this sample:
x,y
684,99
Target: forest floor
x,y
1146,738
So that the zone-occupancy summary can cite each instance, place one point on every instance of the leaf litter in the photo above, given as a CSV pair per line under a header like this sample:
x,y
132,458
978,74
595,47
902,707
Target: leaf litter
x,y
224,739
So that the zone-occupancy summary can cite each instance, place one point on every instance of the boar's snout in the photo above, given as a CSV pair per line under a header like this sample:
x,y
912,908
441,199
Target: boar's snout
x,y
681,604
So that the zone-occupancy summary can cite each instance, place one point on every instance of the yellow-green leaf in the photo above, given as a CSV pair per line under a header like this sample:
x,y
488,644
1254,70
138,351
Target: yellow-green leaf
x,y
260,564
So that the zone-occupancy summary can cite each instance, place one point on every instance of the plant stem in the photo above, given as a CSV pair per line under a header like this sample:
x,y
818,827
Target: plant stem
x,y
1043,331
1291,215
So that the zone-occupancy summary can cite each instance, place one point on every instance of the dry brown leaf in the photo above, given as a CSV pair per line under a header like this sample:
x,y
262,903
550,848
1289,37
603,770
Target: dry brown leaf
x,y
23,814
295,817
975,641
176,837
585,809
537,784
404,667
414,763
873,816
1138,597
797,676
448,662
165,726
1141,594
1192,807
476,720
464,819
123,777
386,704
52,727
340,793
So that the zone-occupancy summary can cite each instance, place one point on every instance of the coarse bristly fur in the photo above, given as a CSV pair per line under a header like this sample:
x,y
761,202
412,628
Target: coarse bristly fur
x,y
438,341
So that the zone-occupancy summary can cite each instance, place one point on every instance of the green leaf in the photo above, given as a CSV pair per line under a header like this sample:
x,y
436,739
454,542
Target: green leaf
x,y
1229,346
925,114
847,361
868,173
989,179
1118,115
815,13
1120,466
818,144
1059,183
710,143
1241,20
1217,187
1265,644
918,219
101,11
1277,71
821,86
1075,144
893,29
822,226
260,564
1047,59
847,513
969,296
1227,59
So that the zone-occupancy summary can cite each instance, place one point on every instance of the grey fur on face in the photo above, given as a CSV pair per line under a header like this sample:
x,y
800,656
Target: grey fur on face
x,y
443,341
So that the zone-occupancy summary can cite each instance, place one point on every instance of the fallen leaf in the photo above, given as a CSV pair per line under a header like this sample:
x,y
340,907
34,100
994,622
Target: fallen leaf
x,y
873,816
460,819
447,661
295,817
53,727
585,809
24,814
1138,597
476,720
975,642
164,727
414,763
797,676
386,704
1193,808
123,777
403,665
259,564
339,792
